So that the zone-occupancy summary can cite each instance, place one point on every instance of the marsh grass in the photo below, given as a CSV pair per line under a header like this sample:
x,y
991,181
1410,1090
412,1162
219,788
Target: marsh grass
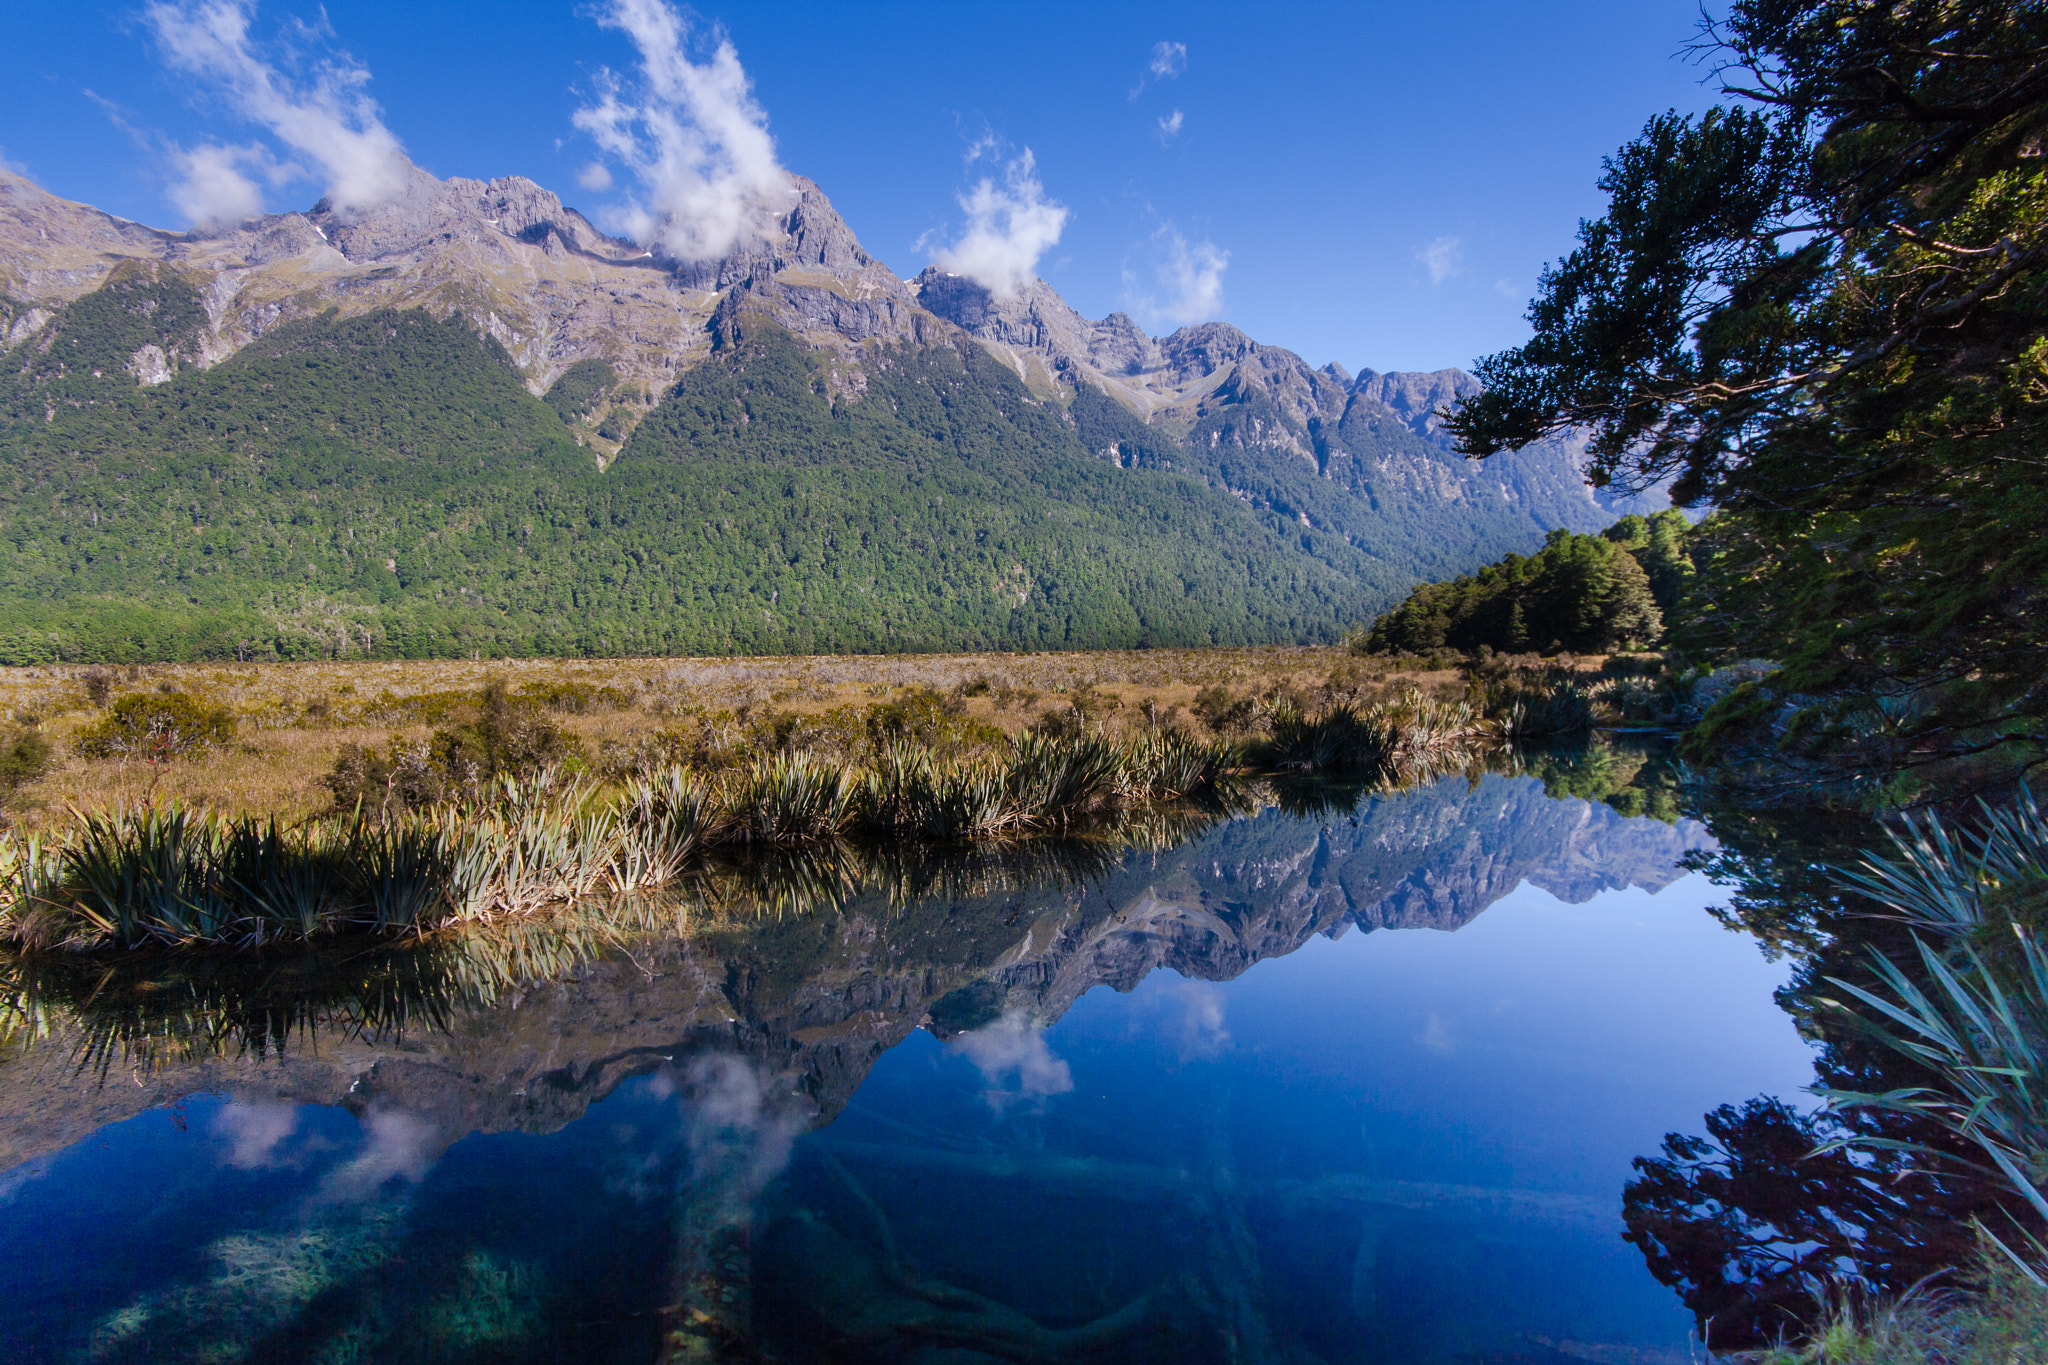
x,y
626,717
529,836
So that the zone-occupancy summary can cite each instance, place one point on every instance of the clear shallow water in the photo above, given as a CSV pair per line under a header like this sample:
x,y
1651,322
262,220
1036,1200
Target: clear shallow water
x,y
1188,1109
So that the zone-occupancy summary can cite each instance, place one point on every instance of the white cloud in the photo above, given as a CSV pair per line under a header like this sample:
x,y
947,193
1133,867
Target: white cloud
x,y
1437,1035
1201,1029
1168,61
595,177
1443,258
740,1126
1169,127
692,135
1012,1057
211,187
1507,289
1009,226
323,115
254,1132
1188,279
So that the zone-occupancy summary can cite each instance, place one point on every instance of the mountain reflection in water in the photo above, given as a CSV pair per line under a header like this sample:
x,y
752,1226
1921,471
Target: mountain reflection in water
x,y
722,1135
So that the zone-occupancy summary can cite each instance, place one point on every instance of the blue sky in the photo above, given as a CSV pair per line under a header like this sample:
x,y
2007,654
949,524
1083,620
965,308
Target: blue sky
x,y
1374,184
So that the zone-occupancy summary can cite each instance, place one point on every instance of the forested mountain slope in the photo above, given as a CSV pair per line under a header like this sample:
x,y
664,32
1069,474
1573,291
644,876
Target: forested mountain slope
x,y
314,435
385,484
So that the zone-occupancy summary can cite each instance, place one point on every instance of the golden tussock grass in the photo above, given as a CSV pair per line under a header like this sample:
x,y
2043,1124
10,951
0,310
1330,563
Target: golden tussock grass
x,y
293,719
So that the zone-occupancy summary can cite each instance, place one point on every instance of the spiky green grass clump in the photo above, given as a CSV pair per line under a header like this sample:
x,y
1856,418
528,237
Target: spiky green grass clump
x,y
1973,1010
169,874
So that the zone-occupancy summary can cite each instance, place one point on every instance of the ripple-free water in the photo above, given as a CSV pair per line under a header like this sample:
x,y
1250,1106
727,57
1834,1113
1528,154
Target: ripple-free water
x,y
1354,1144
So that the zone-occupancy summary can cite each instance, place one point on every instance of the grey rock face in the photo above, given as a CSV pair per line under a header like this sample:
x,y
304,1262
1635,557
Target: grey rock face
x,y
535,274
1417,398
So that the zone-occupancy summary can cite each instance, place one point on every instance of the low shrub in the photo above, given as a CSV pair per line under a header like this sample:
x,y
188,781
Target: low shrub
x,y
25,756
575,698
1224,713
930,719
98,685
507,736
156,728
510,736
1006,697
403,777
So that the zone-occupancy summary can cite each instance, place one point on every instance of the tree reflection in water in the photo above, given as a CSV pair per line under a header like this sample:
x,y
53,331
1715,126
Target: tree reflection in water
x,y
1753,1222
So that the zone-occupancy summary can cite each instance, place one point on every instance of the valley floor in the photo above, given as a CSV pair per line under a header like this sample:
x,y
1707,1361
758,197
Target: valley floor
x,y
291,720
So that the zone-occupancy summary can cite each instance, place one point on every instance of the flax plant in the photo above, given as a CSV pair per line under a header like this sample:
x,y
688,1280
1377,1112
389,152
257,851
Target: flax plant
x,y
1338,740
787,798
404,870
148,874
1056,782
286,883
1172,765
664,821
1938,879
550,841
1977,1020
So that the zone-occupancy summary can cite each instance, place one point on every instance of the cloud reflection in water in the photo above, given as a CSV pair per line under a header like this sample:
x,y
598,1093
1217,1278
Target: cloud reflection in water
x,y
1011,1054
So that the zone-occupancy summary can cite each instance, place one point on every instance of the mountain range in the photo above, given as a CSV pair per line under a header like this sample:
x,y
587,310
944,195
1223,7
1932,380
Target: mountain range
x,y
468,421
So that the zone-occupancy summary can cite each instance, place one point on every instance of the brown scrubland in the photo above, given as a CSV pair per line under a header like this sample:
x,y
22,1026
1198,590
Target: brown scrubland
x,y
292,721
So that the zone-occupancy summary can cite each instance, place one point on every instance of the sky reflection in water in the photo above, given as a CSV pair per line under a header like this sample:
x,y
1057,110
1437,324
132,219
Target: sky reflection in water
x,y
1400,1145
1460,1110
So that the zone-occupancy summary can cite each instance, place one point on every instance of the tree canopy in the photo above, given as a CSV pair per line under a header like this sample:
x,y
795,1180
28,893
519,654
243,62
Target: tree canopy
x,y
1586,594
1823,309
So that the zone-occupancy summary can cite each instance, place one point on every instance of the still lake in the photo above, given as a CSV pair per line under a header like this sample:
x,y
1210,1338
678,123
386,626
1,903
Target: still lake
x,y
1352,1084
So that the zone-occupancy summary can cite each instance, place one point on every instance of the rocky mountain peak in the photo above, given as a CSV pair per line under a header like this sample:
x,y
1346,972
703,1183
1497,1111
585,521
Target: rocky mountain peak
x,y
553,289
434,214
506,253
1418,396
53,250
819,236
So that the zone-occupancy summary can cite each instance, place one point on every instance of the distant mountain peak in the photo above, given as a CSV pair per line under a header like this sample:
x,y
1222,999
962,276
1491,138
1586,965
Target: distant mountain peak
x,y
553,289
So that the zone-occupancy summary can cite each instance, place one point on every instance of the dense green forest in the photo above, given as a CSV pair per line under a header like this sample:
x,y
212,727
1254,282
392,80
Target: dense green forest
x,y
1585,594
385,485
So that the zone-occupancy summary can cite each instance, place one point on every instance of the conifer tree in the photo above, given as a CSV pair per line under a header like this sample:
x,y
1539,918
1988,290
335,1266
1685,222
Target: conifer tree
x,y
1823,309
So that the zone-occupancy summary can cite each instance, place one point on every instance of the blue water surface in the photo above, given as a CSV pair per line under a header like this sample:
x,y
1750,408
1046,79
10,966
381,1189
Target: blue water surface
x,y
1374,1145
